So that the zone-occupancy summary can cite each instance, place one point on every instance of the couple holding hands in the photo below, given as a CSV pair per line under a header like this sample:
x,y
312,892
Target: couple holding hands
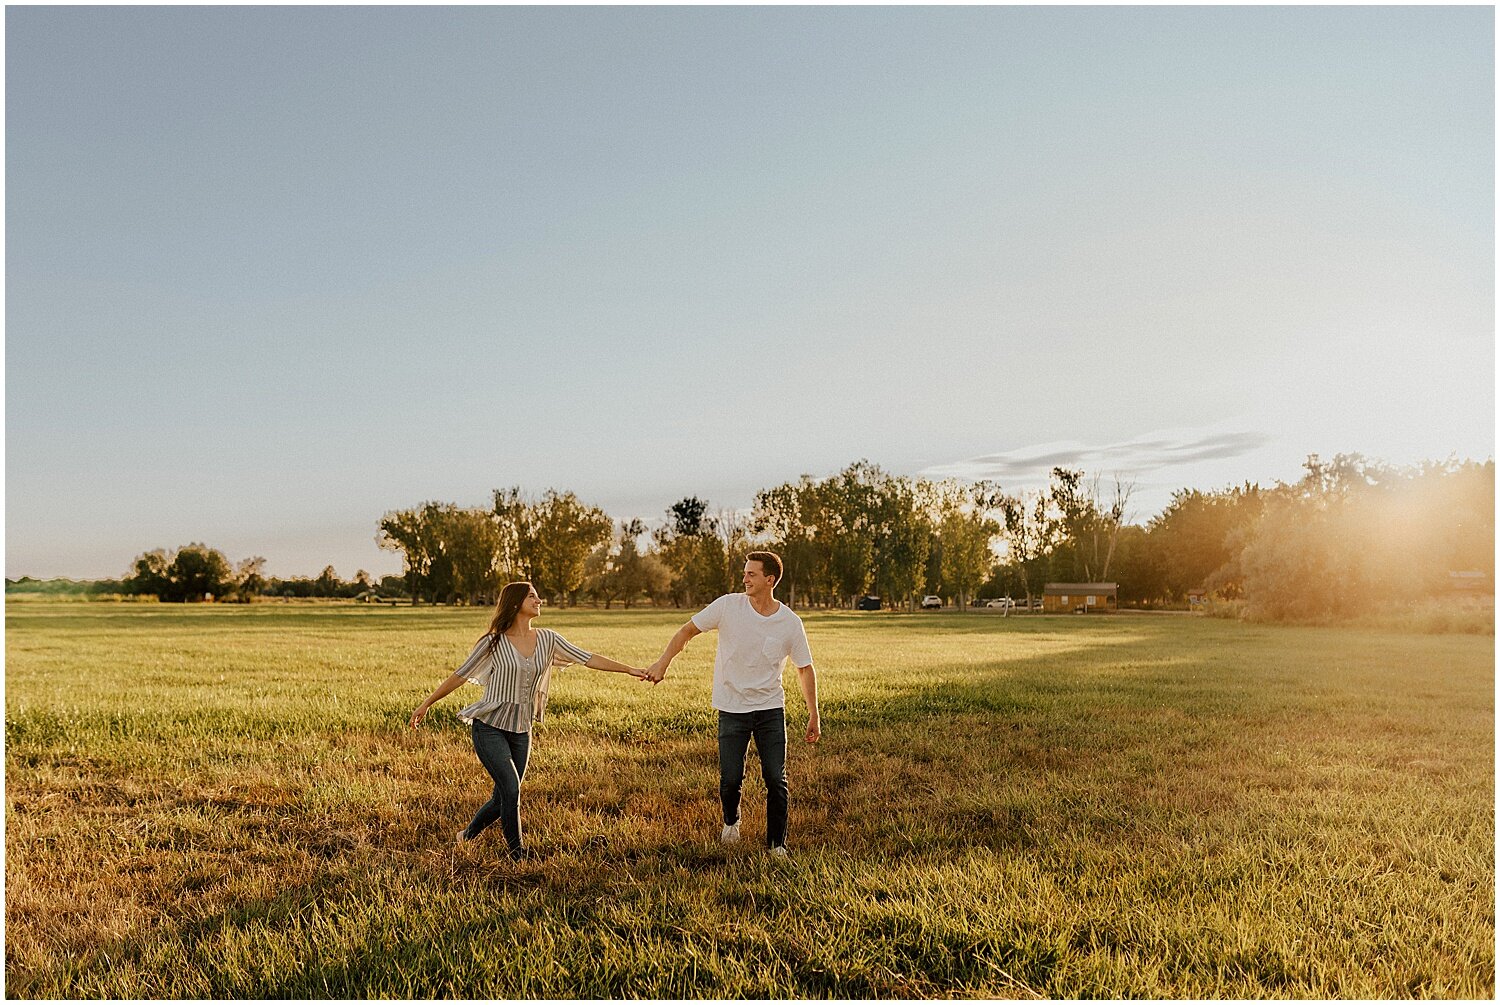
x,y
513,663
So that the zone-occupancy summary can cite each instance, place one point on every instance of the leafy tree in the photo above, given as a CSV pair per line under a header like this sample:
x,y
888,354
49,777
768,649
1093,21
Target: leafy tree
x,y
1293,563
599,579
250,575
789,516
565,532
1086,529
903,538
515,520
733,533
1199,536
656,579
199,573
392,587
967,533
414,533
477,546
689,517
689,547
328,584
1353,532
151,574
192,573
1029,537
631,573
1139,567
850,500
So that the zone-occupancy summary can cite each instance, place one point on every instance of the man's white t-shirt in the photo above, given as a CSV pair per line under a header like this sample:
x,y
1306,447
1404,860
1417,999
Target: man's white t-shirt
x,y
752,651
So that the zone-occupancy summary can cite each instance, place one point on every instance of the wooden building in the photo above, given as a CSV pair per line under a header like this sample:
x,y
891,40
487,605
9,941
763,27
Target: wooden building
x,y
1090,598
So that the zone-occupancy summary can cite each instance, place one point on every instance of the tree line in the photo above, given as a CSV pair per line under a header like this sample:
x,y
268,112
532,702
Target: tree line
x,y
1350,531
840,537
197,572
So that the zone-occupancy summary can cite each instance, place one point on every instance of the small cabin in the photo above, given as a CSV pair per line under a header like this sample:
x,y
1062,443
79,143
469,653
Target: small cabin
x,y
1087,598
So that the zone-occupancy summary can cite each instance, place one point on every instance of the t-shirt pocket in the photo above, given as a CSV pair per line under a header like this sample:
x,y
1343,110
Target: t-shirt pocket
x,y
773,651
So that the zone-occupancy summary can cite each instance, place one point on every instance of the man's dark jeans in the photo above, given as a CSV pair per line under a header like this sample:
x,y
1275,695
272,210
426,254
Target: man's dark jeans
x,y
503,755
768,727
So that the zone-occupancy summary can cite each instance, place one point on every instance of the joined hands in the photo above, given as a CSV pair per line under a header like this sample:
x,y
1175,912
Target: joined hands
x,y
655,673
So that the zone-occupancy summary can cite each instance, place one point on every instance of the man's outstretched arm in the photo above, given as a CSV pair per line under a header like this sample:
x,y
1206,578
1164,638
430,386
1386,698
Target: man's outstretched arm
x,y
807,677
658,670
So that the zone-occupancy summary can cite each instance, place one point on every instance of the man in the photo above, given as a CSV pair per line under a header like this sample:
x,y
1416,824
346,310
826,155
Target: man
x,y
756,635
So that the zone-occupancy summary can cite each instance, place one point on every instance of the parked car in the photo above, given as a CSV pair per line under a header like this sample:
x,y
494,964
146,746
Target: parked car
x,y
930,601
1003,603
867,604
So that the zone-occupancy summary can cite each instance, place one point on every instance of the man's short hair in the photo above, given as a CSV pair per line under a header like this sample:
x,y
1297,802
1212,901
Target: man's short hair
x,y
770,563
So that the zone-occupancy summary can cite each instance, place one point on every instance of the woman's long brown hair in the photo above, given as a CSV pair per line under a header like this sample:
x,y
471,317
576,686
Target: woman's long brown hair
x,y
506,609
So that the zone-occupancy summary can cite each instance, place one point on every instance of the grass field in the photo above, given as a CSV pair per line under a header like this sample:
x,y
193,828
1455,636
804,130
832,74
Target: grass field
x,y
218,801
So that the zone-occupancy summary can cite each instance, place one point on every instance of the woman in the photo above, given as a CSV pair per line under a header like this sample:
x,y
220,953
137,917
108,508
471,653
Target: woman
x,y
513,663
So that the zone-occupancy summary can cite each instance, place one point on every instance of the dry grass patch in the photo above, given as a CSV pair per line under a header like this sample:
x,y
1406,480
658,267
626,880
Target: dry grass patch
x,y
1000,808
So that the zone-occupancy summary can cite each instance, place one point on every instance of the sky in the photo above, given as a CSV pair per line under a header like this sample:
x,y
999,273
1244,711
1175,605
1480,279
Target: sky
x,y
272,272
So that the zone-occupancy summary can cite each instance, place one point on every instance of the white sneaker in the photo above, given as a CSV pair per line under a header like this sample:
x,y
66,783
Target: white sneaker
x,y
779,851
730,834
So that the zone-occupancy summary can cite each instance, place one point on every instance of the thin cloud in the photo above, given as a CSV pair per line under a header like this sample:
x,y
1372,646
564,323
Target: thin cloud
x,y
1138,456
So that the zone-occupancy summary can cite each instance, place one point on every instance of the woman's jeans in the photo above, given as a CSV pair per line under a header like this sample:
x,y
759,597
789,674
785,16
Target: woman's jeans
x,y
768,726
503,755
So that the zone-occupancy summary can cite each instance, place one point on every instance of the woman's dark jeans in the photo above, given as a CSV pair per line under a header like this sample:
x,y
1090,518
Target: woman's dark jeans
x,y
503,755
768,726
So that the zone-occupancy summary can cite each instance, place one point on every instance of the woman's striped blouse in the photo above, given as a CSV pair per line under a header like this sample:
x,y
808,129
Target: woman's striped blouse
x,y
515,687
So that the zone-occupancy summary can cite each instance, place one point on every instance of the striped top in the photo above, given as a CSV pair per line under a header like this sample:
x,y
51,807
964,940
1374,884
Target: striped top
x,y
515,686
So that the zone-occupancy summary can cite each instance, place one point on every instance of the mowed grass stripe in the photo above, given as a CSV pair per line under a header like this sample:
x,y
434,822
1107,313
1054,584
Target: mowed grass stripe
x,y
210,802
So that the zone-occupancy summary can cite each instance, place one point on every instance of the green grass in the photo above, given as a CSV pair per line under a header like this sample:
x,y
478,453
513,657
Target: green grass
x,y
226,802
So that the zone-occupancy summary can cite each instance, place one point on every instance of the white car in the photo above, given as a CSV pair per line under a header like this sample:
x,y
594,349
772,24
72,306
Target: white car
x,y
931,601
1003,603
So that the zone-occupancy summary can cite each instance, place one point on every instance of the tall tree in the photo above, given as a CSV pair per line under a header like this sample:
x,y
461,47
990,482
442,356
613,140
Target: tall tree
x,y
1086,527
689,546
515,520
903,537
1199,536
630,572
411,532
732,529
150,574
789,517
689,517
250,577
850,500
967,532
328,583
479,547
565,532
1139,567
1028,537
189,574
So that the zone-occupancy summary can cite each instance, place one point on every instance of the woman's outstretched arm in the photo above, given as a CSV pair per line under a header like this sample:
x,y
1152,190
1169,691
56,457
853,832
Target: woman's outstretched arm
x,y
443,690
608,665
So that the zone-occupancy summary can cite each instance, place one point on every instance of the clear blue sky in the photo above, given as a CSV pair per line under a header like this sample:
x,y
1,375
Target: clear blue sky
x,y
271,272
